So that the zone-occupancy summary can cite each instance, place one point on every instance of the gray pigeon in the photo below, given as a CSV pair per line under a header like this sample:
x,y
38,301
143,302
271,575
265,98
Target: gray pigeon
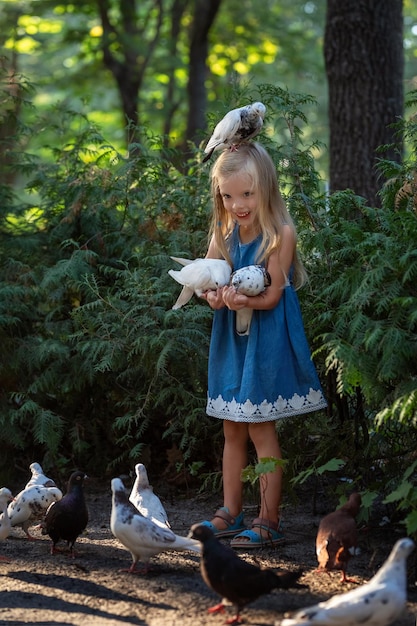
x,y
377,603
235,580
5,526
140,535
198,276
145,500
31,504
238,125
250,281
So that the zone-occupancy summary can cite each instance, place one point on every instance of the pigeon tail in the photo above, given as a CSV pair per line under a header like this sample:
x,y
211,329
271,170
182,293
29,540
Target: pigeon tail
x,y
243,320
184,297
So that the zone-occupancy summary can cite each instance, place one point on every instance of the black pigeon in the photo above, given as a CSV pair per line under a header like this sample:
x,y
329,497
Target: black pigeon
x,y
236,581
67,518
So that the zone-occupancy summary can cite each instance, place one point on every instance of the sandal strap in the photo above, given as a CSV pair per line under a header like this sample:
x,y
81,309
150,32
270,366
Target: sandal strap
x,y
265,524
225,516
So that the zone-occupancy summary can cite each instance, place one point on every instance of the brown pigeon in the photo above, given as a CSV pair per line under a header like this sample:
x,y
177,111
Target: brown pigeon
x,y
336,536
235,580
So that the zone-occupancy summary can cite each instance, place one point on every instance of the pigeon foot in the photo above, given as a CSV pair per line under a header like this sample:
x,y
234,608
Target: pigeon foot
x,y
218,608
234,620
32,537
346,579
133,569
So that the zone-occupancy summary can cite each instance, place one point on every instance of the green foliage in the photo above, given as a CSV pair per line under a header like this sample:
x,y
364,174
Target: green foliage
x,y
333,465
364,318
97,369
101,369
252,473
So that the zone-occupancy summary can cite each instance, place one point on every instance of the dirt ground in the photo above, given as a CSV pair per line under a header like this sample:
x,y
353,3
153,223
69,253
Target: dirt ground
x,y
40,588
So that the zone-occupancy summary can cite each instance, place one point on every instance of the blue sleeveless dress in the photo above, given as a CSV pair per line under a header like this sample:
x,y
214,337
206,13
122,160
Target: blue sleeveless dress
x,y
267,374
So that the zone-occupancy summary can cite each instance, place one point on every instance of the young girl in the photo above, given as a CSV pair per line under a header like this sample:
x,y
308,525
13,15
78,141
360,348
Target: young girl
x,y
268,374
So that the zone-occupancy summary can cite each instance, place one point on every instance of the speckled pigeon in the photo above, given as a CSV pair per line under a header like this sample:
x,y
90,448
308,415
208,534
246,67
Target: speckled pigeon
x,y
337,535
235,580
140,535
237,125
30,505
198,276
38,477
379,602
66,519
250,281
5,526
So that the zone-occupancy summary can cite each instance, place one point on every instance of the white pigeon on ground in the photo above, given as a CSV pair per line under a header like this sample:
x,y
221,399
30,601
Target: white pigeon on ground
x,y
199,275
140,535
377,603
250,281
237,125
30,505
5,526
145,500
38,477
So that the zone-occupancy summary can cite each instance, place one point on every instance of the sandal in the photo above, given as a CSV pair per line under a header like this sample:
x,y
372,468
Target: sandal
x,y
249,539
234,525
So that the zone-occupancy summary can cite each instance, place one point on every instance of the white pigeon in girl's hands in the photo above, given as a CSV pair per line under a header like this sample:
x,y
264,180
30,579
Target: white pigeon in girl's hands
x,y
250,281
198,276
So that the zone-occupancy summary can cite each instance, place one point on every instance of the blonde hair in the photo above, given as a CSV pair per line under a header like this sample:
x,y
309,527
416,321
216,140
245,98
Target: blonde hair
x,y
251,159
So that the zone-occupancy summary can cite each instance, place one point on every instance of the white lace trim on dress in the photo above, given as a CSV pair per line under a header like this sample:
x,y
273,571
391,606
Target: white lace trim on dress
x,y
266,411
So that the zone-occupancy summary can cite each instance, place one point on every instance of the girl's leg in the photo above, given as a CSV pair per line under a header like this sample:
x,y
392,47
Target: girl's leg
x,y
265,440
235,458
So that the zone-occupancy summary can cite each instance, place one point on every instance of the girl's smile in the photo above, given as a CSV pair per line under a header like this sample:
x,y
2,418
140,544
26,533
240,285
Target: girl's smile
x,y
240,199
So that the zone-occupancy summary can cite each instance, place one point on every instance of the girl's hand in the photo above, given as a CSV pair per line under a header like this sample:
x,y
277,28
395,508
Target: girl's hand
x,y
214,298
233,300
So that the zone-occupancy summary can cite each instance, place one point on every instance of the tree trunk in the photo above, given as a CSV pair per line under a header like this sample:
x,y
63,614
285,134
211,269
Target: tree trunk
x,y
127,50
172,101
363,51
204,16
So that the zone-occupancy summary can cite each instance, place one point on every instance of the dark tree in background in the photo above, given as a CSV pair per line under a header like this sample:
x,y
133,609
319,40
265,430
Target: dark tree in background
x,y
363,51
204,16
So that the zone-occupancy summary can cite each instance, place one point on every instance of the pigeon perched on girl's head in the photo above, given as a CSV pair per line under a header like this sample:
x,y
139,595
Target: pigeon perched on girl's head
x,y
237,126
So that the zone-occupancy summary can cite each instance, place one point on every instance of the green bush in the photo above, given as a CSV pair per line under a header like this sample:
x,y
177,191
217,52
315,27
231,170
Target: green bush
x,y
98,371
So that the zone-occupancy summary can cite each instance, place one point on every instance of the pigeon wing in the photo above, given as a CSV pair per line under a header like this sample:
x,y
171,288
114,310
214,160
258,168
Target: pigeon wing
x,y
224,131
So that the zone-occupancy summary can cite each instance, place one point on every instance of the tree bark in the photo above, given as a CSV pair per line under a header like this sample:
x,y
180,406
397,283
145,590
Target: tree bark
x,y
127,50
363,51
204,16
